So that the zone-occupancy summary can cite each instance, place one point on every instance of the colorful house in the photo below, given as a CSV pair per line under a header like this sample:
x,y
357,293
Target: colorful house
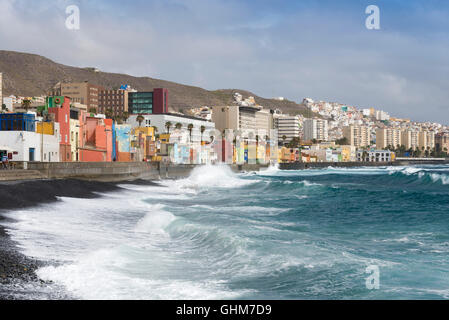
x,y
60,108
96,138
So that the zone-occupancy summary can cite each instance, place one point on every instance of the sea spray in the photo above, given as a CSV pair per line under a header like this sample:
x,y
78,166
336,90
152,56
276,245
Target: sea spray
x,y
271,235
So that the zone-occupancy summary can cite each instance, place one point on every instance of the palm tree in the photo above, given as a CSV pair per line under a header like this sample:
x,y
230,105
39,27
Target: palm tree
x,y
284,137
178,125
190,128
168,125
140,118
417,152
125,116
26,104
202,129
109,113
364,155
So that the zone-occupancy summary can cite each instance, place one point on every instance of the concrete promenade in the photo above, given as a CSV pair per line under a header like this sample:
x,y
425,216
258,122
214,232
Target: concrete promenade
x,y
106,171
126,171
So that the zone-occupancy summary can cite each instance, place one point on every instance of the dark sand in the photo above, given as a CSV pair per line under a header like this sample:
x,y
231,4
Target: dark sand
x,y
15,268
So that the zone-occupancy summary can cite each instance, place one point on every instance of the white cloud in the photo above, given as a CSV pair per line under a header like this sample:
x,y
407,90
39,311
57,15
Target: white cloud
x,y
222,44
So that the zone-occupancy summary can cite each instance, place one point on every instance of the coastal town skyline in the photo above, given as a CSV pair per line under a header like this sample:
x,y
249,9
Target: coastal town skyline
x,y
399,68
223,156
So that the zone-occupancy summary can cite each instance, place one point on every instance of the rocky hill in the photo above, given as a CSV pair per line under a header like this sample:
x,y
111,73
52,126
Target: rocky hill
x,y
33,75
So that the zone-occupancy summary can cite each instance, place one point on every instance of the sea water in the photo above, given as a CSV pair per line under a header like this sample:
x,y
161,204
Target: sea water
x,y
275,234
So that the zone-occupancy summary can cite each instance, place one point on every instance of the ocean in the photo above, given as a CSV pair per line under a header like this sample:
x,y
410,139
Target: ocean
x,y
274,234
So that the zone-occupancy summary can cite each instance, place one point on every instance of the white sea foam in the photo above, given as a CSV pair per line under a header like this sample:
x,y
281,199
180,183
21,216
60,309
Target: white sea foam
x,y
155,221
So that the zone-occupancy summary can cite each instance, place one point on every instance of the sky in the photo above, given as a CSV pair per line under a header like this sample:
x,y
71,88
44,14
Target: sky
x,y
294,49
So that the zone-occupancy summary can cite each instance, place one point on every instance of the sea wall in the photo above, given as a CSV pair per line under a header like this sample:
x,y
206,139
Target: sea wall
x,y
105,171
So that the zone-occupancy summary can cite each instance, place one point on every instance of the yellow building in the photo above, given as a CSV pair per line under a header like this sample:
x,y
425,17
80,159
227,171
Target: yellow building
x,y
164,137
143,142
49,127
147,131
348,153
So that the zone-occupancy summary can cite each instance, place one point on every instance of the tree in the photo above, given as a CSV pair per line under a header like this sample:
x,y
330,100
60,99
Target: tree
x,y
93,110
342,142
190,128
3,107
140,118
202,129
125,116
26,104
284,137
417,152
109,113
294,143
364,155
168,125
178,125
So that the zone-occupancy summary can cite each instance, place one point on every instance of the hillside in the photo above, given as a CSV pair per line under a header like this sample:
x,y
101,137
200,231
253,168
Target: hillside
x,y
33,75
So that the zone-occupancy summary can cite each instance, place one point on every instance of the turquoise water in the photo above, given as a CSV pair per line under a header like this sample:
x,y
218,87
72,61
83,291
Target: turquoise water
x,y
272,235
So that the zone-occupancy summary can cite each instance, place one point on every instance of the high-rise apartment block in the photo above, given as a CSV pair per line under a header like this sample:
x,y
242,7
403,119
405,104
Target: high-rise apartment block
x,y
409,139
82,92
442,142
388,137
315,129
242,118
358,136
114,101
288,127
426,140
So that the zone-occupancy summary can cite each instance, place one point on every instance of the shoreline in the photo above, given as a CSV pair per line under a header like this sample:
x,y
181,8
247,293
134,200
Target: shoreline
x,y
323,165
131,171
17,269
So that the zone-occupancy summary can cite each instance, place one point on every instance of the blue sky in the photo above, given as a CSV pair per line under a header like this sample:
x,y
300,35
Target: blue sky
x,y
294,49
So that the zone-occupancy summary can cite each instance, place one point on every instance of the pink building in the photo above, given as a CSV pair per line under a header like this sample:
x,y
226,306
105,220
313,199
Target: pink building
x,y
60,107
95,139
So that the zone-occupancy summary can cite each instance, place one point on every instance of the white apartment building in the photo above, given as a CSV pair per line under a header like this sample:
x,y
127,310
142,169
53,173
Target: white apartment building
x,y
32,146
357,136
316,129
288,126
382,115
242,118
375,156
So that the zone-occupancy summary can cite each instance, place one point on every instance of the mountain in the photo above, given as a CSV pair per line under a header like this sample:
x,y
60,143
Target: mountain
x,y
27,74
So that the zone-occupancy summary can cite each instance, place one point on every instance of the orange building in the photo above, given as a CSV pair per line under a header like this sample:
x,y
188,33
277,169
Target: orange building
x,y
96,139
